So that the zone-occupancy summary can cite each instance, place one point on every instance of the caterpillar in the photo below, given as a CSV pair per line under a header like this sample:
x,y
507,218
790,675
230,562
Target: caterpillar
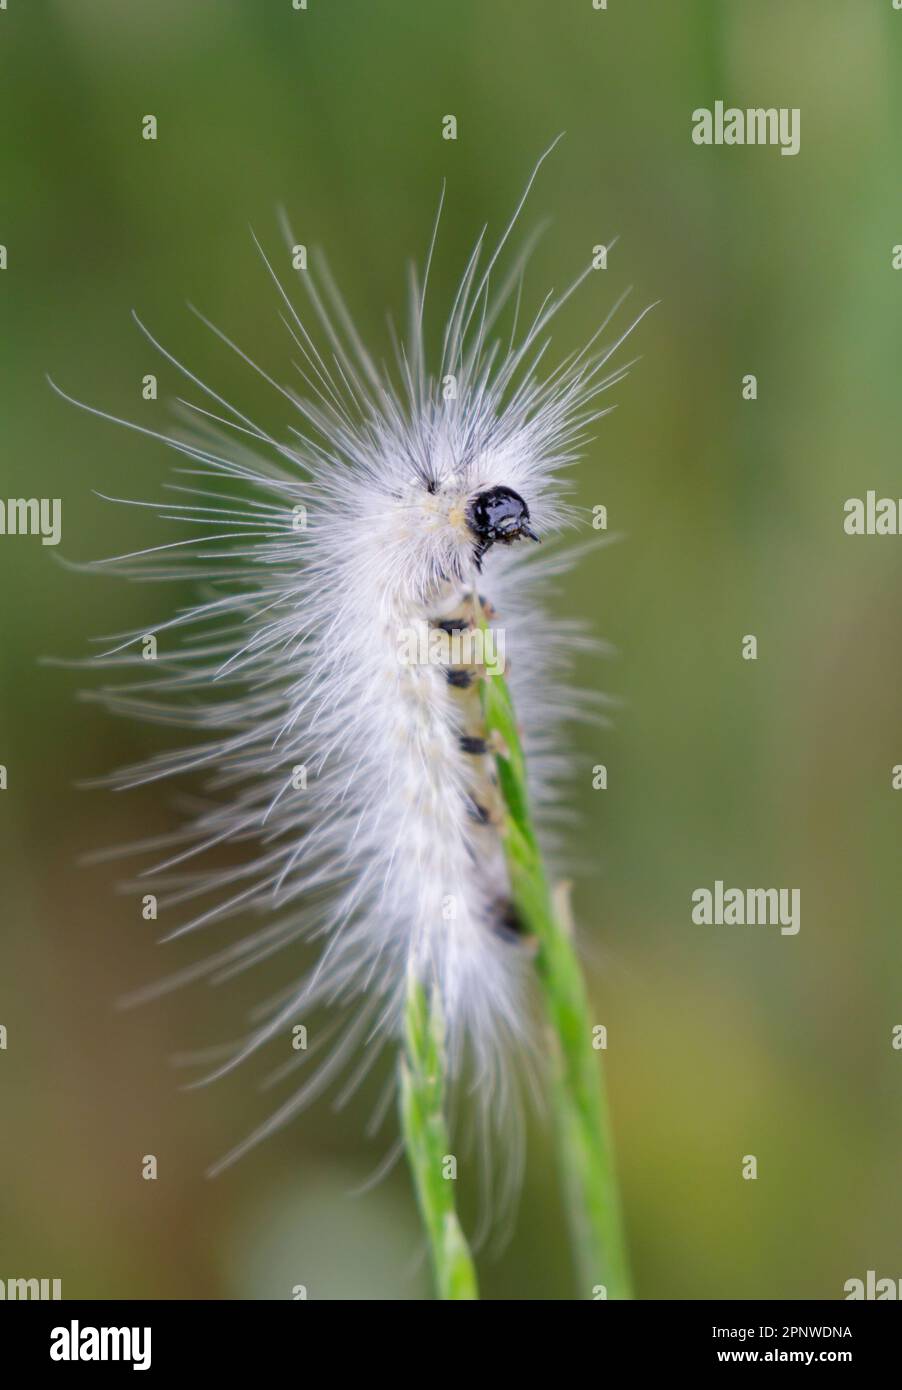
x,y
354,783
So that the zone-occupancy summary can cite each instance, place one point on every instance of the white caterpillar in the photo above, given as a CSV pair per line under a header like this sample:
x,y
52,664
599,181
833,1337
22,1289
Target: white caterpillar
x,y
357,784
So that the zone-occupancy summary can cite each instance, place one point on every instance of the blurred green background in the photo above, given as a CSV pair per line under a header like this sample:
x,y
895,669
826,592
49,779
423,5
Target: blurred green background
x,y
723,1041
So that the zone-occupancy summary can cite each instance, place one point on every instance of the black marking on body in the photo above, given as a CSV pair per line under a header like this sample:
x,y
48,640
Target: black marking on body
x,y
470,743
506,920
461,680
453,626
478,813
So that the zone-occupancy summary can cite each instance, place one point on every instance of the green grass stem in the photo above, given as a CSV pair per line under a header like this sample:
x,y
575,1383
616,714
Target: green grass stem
x,y
424,1128
582,1126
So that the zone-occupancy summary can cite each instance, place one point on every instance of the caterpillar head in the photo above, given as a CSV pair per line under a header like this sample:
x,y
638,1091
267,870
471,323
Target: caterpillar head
x,y
498,514
453,523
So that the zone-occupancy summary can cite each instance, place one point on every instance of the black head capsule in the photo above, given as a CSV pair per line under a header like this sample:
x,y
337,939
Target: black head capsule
x,y
498,514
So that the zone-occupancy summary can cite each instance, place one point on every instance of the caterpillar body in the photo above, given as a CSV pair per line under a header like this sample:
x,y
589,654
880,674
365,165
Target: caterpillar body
x,y
351,773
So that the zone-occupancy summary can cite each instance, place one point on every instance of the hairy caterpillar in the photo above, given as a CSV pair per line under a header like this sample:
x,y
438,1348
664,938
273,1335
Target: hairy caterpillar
x,y
354,778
